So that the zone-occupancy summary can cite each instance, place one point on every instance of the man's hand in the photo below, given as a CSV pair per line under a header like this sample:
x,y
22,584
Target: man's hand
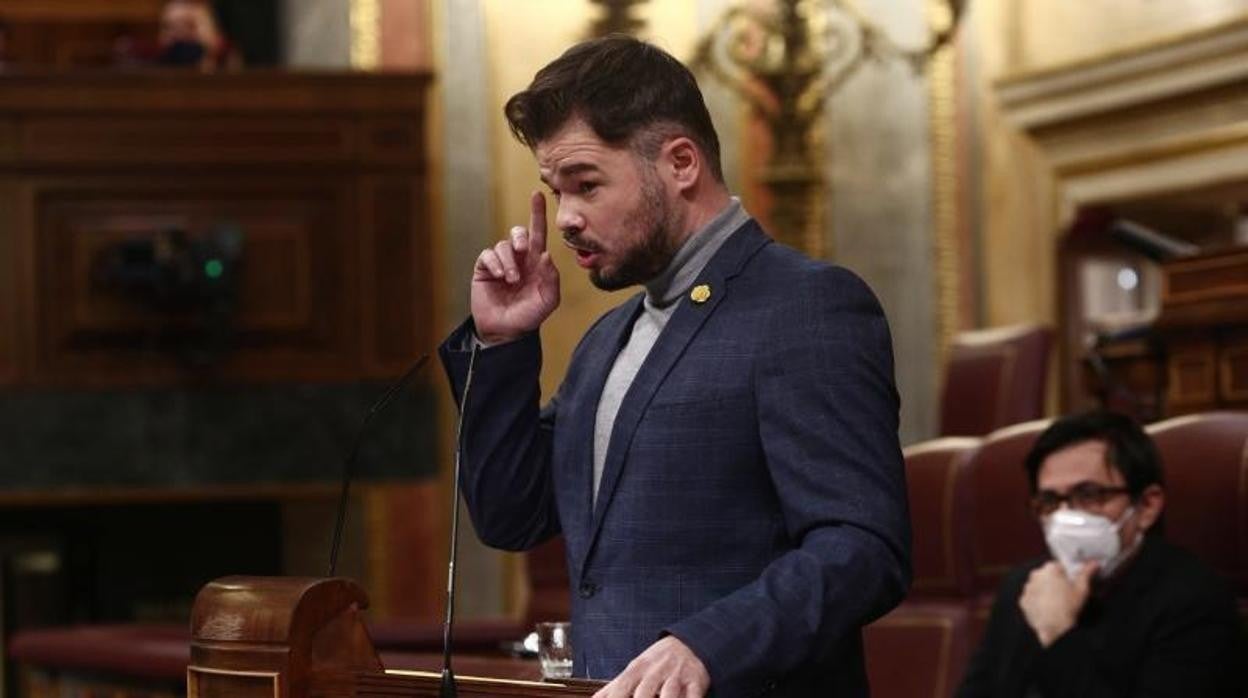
x,y
1051,602
515,285
668,669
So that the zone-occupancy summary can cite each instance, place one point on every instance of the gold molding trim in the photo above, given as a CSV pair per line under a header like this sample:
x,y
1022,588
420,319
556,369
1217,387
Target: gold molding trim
x,y
193,672
1179,66
365,34
1157,150
1124,53
943,136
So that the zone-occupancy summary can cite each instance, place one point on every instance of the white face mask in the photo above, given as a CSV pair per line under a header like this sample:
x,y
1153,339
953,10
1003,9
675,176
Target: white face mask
x,y
1077,537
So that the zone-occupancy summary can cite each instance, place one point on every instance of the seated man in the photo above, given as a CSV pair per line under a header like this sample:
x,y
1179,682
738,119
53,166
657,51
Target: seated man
x,y
1118,611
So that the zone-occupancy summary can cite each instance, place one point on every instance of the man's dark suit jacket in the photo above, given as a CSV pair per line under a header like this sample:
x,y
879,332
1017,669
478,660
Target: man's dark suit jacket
x,y
1166,626
753,500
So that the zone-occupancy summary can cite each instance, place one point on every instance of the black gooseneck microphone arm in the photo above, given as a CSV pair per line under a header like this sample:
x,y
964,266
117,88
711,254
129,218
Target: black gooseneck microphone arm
x,y
447,688
349,464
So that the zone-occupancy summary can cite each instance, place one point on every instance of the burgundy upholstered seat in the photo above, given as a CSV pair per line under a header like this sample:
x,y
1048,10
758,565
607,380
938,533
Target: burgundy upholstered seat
x,y
920,649
1003,531
995,378
138,651
928,634
937,484
1205,460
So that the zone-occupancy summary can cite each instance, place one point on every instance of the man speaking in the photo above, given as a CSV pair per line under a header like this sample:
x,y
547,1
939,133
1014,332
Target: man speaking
x,y
721,457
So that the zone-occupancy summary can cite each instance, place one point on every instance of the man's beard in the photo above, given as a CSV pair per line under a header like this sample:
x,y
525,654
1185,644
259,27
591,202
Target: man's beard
x,y
657,246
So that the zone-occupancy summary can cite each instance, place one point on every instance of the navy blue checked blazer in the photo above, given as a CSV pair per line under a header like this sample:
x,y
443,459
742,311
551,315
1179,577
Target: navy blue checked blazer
x,y
753,500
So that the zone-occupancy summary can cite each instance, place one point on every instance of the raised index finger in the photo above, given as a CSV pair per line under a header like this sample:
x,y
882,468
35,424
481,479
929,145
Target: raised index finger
x,y
537,224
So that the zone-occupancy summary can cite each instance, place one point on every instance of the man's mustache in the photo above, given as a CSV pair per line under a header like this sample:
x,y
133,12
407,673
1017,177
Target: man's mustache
x,y
580,244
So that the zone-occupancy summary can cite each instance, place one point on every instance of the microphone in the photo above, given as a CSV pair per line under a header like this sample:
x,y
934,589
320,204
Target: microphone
x,y
348,465
447,688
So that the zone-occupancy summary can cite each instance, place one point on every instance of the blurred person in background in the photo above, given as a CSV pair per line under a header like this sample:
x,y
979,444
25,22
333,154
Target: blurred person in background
x,y
1116,610
190,36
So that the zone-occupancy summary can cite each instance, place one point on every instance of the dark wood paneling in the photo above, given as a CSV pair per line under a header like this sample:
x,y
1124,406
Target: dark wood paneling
x,y
324,174
1233,370
9,133
199,140
9,338
269,94
397,284
392,140
65,33
80,10
297,291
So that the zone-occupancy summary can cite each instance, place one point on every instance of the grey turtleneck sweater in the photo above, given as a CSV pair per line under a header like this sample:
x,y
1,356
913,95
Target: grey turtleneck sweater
x,y
663,294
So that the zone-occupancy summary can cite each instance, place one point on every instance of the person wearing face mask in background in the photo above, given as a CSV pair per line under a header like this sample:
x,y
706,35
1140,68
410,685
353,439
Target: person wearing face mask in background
x,y
1117,611
189,37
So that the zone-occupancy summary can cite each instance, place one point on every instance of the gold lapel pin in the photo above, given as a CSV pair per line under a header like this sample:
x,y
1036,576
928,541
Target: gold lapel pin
x,y
700,293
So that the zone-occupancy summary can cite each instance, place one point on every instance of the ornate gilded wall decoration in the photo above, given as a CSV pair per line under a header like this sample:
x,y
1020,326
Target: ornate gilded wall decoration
x,y
617,18
785,60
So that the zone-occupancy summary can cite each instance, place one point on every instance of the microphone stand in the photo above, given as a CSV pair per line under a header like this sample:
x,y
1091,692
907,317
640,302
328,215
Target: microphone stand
x,y
348,465
447,687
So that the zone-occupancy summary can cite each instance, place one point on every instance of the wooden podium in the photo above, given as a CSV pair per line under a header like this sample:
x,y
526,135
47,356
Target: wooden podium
x,y
300,637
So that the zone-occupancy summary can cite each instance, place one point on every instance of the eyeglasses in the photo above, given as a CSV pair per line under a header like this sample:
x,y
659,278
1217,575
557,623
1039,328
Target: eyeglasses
x,y
1084,496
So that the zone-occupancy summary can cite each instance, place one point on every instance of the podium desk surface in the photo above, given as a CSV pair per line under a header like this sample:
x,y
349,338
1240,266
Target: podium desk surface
x,y
495,675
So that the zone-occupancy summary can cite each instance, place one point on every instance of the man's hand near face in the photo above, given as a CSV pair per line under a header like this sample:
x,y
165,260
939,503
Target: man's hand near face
x,y
1051,602
668,669
515,285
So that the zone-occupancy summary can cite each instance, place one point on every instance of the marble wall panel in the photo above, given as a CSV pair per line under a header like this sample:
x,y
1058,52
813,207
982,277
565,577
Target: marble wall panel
x,y
317,33
878,212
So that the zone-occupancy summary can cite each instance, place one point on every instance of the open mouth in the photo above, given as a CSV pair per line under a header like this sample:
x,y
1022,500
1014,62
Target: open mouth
x,y
585,254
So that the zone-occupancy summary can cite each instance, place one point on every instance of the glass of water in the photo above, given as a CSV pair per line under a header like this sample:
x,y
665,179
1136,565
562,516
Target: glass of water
x,y
554,648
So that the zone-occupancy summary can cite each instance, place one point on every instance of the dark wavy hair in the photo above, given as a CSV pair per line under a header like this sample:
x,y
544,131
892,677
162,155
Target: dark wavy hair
x,y
1129,450
629,92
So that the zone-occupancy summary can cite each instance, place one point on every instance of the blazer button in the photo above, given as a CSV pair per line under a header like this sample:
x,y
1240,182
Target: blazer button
x,y
588,589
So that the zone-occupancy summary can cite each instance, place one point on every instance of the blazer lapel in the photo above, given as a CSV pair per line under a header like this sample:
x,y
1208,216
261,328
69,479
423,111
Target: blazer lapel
x,y
598,362
680,330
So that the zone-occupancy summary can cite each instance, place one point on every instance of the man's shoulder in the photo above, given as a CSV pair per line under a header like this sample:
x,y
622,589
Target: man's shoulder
x,y
1176,569
785,269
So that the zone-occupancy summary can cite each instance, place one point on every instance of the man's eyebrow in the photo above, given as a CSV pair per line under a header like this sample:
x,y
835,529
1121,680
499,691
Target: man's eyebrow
x,y
571,169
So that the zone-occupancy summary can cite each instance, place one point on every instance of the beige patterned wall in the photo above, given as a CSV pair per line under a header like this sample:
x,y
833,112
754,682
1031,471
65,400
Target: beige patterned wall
x,y
316,33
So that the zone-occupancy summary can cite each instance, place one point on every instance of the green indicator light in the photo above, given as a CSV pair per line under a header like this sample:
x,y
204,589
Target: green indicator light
x,y
213,268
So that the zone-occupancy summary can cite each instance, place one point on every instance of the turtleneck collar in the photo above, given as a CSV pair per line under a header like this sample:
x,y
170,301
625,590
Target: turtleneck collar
x,y
692,257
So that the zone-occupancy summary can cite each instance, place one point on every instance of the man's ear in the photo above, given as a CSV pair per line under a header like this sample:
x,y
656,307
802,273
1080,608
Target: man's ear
x,y
682,162
1151,501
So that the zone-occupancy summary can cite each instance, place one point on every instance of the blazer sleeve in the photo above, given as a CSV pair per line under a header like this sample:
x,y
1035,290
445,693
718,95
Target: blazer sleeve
x,y
827,420
505,462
